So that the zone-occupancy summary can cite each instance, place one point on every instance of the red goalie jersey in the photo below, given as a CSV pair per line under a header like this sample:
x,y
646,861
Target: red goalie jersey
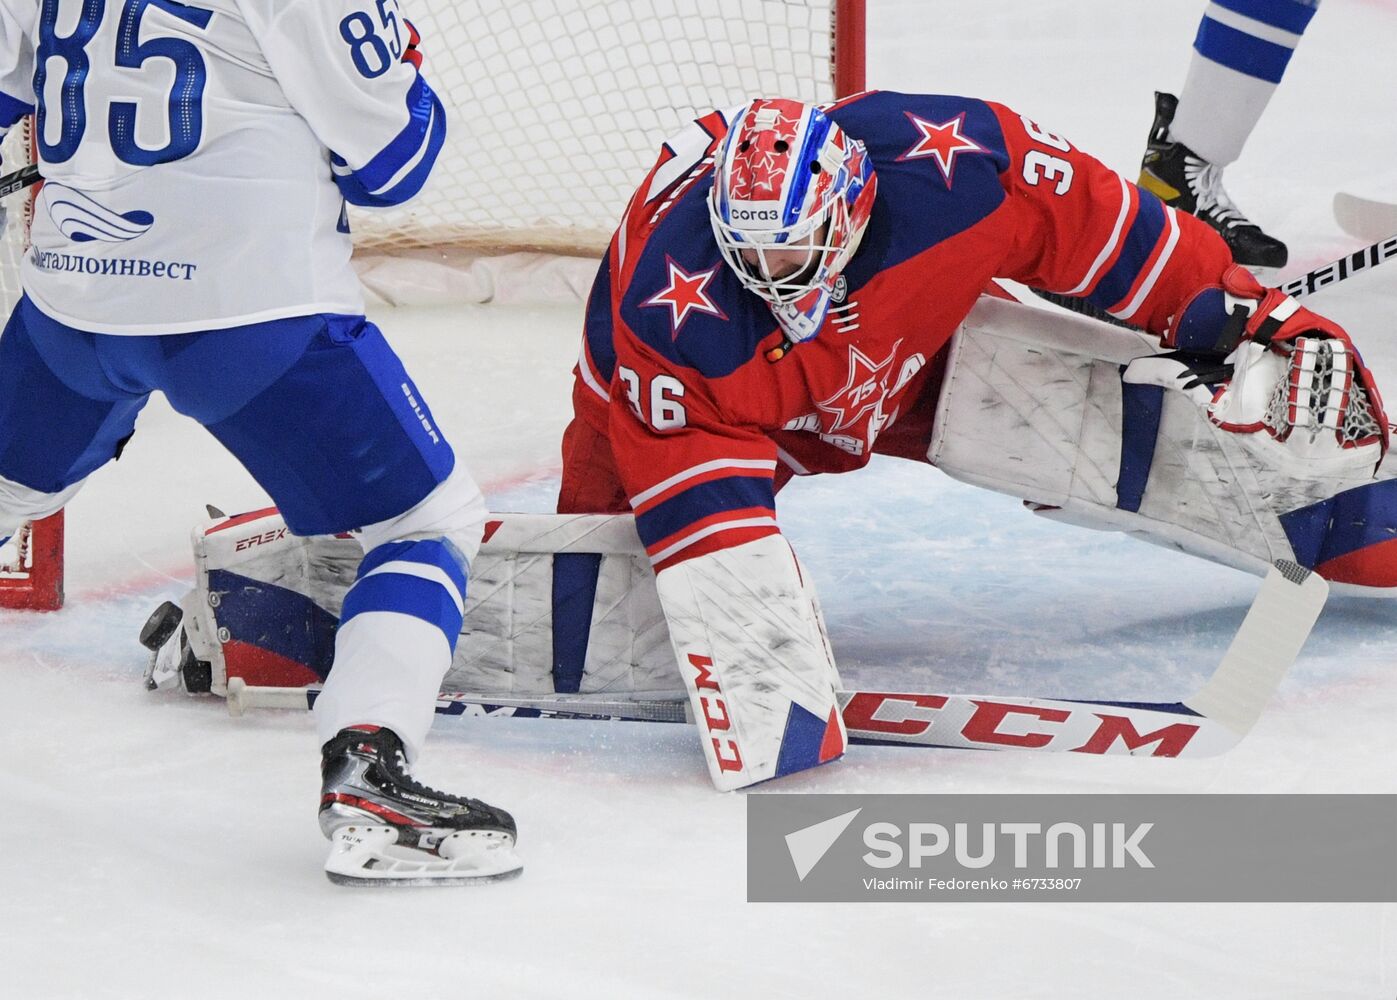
x,y
688,411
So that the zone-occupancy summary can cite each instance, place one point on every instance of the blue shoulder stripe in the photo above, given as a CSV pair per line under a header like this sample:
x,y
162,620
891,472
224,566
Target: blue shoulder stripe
x,y
400,168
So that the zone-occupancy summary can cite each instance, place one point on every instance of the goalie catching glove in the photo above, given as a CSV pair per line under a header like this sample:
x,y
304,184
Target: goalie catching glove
x,y
1288,371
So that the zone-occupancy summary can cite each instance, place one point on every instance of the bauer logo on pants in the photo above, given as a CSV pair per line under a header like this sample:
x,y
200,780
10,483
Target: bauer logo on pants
x,y
1072,848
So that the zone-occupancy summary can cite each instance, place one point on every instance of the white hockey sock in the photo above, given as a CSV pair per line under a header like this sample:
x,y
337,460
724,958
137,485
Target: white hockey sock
x,y
1239,56
397,632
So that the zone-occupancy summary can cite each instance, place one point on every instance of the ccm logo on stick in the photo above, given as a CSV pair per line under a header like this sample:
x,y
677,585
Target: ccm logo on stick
x,y
992,723
715,714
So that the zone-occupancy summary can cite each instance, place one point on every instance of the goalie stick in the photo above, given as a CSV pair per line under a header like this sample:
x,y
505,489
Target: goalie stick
x,y
1209,722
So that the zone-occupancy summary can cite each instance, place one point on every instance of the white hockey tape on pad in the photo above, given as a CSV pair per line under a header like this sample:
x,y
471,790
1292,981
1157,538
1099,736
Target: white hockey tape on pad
x,y
1091,426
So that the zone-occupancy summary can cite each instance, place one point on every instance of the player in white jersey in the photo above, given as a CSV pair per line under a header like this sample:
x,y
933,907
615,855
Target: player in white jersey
x,y
191,238
1239,56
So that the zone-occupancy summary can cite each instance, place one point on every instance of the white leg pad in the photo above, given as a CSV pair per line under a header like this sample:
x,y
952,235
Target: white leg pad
x,y
1033,405
752,652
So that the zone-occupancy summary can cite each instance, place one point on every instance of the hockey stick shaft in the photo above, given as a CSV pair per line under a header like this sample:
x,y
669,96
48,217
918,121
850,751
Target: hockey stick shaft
x,y
1342,269
19,180
901,718
1210,722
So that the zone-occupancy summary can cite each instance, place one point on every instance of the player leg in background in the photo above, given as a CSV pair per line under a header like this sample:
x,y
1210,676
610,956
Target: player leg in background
x,y
1239,56
61,418
366,456
321,412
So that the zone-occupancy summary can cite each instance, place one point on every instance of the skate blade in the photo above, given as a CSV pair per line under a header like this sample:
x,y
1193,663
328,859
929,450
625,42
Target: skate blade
x,y
369,856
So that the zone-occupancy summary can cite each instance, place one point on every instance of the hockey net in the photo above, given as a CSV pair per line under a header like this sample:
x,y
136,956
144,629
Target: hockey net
x,y
31,562
556,108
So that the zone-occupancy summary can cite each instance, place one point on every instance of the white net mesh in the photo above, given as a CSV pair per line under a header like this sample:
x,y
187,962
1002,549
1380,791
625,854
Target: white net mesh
x,y
15,555
1360,422
557,107
14,154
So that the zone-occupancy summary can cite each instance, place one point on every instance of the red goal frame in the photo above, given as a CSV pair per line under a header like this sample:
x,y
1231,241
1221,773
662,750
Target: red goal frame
x,y
40,589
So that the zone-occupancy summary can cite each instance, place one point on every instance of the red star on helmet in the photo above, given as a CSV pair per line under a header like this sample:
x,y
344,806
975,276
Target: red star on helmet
x,y
943,142
864,391
686,294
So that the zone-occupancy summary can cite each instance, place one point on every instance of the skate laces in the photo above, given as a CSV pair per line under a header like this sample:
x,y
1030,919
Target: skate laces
x,y
1206,181
397,764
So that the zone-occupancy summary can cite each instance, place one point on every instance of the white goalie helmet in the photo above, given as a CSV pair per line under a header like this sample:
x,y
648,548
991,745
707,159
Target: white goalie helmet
x,y
792,195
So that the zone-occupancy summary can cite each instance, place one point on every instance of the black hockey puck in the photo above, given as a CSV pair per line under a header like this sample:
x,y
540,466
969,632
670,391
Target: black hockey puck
x,y
161,625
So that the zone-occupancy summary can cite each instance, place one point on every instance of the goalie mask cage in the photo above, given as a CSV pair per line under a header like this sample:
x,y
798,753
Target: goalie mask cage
x,y
556,109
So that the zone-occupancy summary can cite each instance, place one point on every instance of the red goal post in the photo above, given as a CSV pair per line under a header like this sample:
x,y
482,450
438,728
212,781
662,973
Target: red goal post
x,y
556,108
31,563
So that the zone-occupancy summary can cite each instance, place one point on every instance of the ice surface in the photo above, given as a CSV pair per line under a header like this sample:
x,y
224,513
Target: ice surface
x,y
155,848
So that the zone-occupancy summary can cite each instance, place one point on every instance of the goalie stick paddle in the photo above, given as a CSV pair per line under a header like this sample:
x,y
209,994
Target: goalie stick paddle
x,y
1210,722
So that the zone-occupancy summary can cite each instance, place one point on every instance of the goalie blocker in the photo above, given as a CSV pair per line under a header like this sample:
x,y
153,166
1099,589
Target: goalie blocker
x,y
1114,435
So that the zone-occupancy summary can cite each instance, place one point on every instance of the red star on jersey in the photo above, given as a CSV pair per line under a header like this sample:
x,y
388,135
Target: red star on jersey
x,y
943,142
864,391
685,294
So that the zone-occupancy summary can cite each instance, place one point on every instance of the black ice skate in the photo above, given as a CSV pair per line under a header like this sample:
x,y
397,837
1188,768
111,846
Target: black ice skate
x,y
387,829
1191,184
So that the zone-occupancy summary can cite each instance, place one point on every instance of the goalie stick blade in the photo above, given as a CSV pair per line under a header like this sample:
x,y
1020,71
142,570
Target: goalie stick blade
x,y
1208,723
1365,218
